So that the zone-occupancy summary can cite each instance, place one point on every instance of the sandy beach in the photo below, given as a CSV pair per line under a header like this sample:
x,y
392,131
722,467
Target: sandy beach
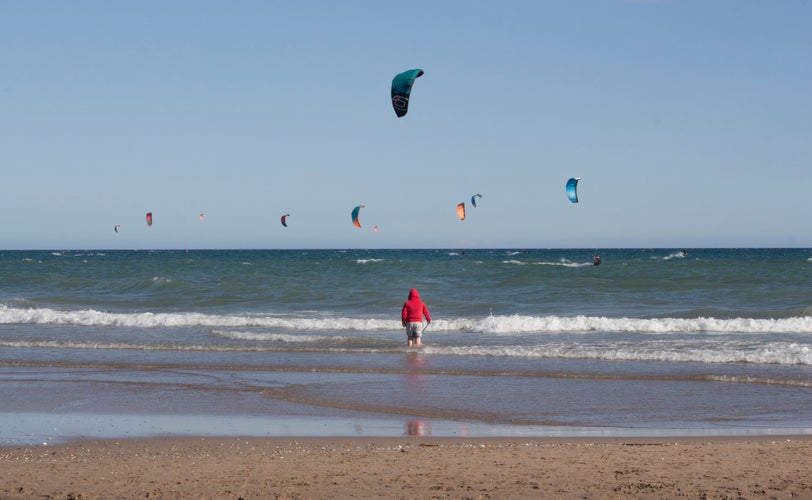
x,y
761,467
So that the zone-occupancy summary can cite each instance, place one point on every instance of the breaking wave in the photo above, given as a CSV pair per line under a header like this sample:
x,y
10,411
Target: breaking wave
x,y
509,325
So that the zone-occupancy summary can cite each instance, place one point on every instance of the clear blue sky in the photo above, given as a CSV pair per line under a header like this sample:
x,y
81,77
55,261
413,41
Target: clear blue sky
x,y
690,123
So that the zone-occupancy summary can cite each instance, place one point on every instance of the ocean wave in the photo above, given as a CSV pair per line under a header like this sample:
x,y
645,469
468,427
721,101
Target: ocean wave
x,y
274,337
777,353
89,317
585,324
675,255
562,262
495,325
125,346
365,261
566,263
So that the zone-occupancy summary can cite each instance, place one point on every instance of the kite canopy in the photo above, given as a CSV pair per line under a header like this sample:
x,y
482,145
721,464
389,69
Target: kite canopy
x,y
149,219
473,199
402,88
355,212
118,226
572,186
202,216
461,211
284,220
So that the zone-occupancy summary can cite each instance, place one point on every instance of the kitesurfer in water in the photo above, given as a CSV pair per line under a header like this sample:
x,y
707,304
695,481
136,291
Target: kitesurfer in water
x,y
412,318
597,260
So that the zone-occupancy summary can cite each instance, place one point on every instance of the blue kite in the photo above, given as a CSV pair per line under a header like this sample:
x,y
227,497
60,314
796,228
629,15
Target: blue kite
x,y
572,186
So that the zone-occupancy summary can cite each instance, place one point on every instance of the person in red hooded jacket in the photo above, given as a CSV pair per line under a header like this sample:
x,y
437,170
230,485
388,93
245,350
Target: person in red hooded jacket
x,y
412,317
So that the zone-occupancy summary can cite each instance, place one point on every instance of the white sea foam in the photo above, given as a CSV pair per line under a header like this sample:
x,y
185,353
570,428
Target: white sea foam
x,y
89,317
365,261
566,263
115,346
675,255
274,337
496,325
577,324
776,353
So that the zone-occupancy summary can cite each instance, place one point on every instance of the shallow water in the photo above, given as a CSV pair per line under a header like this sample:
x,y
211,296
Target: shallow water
x,y
536,342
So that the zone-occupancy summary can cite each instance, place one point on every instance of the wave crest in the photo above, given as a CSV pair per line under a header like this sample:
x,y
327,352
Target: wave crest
x,y
497,325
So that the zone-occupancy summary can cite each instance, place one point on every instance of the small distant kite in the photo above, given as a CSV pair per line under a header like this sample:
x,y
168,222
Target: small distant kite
x,y
375,229
149,219
461,211
473,199
355,213
572,187
402,89
202,216
118,226
284,220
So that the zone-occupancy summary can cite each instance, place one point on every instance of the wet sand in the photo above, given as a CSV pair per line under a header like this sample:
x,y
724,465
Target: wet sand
x,y
425,467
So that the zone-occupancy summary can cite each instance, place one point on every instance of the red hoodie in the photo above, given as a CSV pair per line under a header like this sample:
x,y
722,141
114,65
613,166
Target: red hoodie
x,y
414,309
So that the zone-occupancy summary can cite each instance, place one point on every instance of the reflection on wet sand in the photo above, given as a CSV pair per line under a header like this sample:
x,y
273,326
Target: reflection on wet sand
x,y
418,428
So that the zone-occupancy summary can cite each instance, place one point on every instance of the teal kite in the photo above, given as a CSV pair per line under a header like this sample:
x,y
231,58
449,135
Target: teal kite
x,y
402,88
355,212
572,186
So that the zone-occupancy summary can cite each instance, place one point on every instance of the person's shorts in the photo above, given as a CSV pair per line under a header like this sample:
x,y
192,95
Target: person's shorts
x,y
414,330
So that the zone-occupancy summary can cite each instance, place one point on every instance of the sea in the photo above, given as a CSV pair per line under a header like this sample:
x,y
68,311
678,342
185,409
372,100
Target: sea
x,y
110,344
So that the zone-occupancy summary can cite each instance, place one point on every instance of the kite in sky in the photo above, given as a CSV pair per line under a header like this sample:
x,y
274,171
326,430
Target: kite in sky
x,y
572,186
118,226
473,199
461,211
284,220
355,213
202,216
149,219
402,89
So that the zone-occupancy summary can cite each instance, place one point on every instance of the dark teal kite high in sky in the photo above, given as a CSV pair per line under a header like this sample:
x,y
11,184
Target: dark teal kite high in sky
x,y
401,88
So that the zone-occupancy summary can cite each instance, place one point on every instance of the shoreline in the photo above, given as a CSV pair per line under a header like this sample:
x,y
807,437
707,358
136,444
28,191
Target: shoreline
x,y
49,429
411,467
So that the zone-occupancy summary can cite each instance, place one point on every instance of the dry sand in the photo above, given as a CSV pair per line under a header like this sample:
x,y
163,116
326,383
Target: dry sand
x,y
773,467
